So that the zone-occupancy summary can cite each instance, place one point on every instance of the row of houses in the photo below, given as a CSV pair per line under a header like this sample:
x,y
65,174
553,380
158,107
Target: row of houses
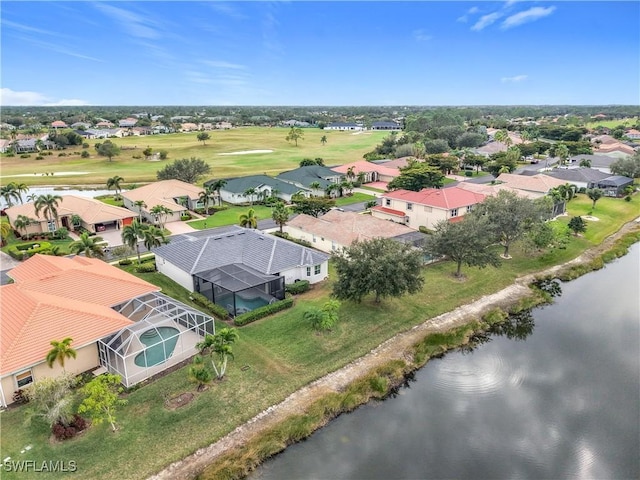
x,y
357,127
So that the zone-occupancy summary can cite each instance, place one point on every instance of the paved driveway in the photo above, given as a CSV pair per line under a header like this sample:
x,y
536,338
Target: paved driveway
x,y
176,228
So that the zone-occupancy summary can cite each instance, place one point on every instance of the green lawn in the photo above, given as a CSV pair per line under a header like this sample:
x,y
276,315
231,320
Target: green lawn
x,y
357,197
341,147
231,216
612,123
273,358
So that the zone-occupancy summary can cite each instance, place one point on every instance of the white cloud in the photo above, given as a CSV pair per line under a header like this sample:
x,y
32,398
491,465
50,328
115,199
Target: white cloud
x,y
465,18
223,64
531,15
136,25
515,79
26,98
421,36
486,20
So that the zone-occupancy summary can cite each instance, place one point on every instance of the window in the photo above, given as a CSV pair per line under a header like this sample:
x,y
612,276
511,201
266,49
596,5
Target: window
x,y
387,202
308,271
333,245
51,225
454,212
23,379
409,206
314,239
316,270
469,208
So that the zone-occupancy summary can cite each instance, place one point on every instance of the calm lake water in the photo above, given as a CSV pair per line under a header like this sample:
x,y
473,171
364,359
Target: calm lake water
x,y
564,402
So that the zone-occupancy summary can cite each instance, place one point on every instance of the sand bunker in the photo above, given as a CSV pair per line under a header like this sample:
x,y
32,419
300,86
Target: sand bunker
x,y
55,174
246,152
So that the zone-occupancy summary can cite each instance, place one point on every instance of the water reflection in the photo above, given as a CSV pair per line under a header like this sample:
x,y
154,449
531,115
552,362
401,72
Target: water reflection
x,y
517,326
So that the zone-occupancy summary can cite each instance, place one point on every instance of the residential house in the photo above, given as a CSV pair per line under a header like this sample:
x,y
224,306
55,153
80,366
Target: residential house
x,y
598,162
427,207
372,172
491,148
105,133
95,216
5,145
265,186
633,134
189,127
139,131
104,124
304,177
385,126
127,122
223,125
613,186
113,318
58,124
179,197
238,268
581,177
345,126
538,185
83,125
338,229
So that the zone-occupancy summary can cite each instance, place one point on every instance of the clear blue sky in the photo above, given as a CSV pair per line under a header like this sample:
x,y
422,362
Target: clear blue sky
x,y
320,53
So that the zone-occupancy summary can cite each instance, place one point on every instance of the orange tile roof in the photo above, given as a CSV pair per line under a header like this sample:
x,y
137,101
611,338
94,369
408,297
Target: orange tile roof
x,y
389,211
443,198
59,297
163,193
365,166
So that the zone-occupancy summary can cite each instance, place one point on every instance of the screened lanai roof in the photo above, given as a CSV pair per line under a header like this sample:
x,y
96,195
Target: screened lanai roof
x,y
236,277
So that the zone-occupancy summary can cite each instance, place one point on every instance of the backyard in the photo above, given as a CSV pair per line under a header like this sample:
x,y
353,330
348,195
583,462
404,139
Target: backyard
x,y
275,357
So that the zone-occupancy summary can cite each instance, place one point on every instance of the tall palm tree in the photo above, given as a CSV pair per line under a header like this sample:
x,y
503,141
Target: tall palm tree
x,y
89,246
49,205
280,215
152,237
21,188
250,192
218,347
351,173
32,197
140,204
218,185
61,351
132,234
114,182
160,213
10,193
562,152
323,139
249,219
315,186
22,222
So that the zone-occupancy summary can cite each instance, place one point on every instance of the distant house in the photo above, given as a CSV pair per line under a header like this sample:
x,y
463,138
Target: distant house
x,y
238,268
223,125
95,216
265,186
189,127
345,126
179,197
491,148
426,207
296,123
113,318
598,162
385,126
633,134
5,145
613,186
58,124
538,185
581,177
83,125
105,132
304,177
336,229
139,131
104,124
127,122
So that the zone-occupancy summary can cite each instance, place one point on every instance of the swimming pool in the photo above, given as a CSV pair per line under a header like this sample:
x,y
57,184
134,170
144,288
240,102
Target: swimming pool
x,y
158,340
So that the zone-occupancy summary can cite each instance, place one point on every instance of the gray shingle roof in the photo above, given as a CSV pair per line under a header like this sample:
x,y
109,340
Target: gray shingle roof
x,y
309,174
577,174
615,181
201,251
242,184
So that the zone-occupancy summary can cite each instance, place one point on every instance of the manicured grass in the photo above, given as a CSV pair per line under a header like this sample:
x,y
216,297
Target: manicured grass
x,y
341,147
111,200
612,123
231,216
274,357
357,197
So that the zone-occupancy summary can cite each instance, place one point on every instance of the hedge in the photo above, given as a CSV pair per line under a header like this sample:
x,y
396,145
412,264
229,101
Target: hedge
x,y
262,312
298,287
147,267
125,261
299,241
23,251
216,310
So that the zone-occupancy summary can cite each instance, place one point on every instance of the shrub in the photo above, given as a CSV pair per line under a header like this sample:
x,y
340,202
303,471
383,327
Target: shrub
x,y
85,145
137,157
468,173
424,229
627,198
61,233
298,287
148,267
85,154
125,261
262,312
25,155
39,157
62,154
216,310
185,217
22,251
19,397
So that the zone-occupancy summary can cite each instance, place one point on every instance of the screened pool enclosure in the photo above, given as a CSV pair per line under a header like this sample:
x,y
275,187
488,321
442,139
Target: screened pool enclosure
x,y
165,333
239,288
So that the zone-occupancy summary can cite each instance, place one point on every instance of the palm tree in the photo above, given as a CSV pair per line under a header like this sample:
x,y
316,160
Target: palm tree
x,y
49,205
351,173
160,213
9,192
5,231
525,136
250,192
22,222
21,188
132,234
153,237
249,219
594,194
140,204
218,185
114,182
280,215
218,347
315,186
89,246
562,152
275,192
60,352
76,220
585,162
502,136
323,139
32,197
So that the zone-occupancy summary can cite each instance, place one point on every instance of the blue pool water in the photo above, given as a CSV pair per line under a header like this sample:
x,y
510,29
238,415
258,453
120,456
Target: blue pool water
x,y
158,340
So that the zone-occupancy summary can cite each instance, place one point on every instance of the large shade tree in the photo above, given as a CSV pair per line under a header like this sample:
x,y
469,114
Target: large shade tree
x,y
416,176
314,206
108,149
188,170
463,242
380,266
